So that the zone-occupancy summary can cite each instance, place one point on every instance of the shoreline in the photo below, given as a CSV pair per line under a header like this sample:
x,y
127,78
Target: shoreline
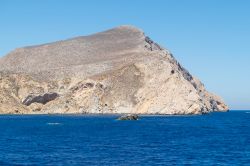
x,y
111,114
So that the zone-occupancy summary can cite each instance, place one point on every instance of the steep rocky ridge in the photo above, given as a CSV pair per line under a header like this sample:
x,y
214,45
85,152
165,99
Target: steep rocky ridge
x,y
117,71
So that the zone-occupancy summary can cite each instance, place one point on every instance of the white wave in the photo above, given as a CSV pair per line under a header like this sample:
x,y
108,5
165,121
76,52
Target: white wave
x,y
54,123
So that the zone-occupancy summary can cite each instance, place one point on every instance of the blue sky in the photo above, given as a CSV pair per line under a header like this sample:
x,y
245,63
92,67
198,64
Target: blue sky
x,y
211,38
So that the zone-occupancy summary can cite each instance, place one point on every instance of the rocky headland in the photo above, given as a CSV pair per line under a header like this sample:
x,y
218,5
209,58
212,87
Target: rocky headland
x,y
117,71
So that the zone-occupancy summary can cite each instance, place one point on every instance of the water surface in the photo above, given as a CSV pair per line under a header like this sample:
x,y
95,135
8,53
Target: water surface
x,y
217,138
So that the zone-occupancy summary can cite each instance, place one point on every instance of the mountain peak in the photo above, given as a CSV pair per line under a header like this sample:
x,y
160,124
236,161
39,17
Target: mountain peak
x,y
127,30
129,27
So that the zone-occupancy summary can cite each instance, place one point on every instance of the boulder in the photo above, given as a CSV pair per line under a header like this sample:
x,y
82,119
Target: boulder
x,y
129,117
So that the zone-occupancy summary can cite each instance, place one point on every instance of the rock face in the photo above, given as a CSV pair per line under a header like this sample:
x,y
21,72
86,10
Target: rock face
x,y
43,99
117,71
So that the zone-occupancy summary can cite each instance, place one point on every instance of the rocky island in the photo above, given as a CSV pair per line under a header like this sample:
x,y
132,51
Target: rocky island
x,y
116,71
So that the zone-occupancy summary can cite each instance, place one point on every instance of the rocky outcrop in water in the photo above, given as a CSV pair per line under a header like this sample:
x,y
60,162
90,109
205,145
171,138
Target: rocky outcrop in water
x,y
117,71
129,117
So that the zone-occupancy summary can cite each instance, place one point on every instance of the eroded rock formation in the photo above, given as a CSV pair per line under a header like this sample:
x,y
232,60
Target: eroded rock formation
x,y
43,99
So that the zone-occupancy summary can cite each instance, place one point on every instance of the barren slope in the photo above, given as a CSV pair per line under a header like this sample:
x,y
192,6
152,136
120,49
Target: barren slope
x,y
116,71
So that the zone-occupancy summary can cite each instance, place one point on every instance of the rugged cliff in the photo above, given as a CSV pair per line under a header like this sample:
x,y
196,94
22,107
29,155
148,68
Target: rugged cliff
x,y
117,71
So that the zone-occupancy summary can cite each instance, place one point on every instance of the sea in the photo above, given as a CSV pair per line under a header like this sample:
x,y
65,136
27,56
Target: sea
x,y
212,139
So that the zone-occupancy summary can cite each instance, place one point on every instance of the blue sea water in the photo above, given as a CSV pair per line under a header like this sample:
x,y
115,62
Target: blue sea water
x,y
214,139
